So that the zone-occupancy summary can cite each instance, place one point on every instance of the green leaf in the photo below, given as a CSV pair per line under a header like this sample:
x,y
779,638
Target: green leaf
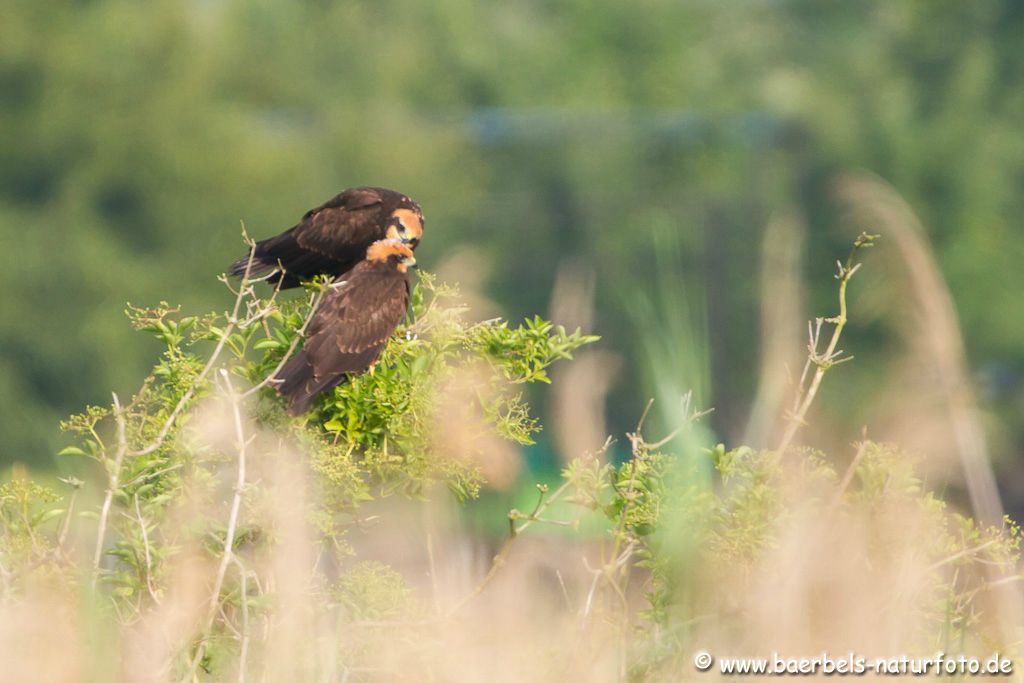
x,y
145,489
46,516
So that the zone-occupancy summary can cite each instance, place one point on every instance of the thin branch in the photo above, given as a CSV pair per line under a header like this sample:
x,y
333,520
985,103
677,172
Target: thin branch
x,y
967,552
314,301
229,535
113,480
514,531
232,322
590,595
643,415
435,591
244,601
844,484
675,432
565,591
1002,582
831,357
65,524
637,440
148,555
152,475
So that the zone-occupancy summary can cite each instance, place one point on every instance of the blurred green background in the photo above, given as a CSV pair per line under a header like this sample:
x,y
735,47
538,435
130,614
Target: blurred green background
x,y
647,142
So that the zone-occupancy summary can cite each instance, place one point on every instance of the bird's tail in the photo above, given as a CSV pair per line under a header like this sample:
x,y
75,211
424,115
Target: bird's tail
x,y
300,386
272,256
261,265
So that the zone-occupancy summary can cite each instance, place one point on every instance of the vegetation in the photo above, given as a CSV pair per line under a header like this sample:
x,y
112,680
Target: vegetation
x,y
225,541
675,158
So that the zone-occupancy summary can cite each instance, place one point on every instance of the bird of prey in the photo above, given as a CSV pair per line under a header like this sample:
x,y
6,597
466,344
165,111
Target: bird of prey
x,y
332,238
356,317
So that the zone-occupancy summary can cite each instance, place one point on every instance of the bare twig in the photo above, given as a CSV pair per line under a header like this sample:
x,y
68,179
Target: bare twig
x,y
65,524
590,594
113,479
837,499
1002,582
229,534
690,416
435,591
966,552
314,301
514,530
831,356
244,603
232,322
565,591
643,415
148,554
154,474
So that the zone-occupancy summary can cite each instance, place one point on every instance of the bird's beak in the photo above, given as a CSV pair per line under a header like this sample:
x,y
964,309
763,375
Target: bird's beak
x,y
409,262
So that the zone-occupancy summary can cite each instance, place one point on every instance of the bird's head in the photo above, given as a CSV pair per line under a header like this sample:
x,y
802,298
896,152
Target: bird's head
x,y
393,252
405,225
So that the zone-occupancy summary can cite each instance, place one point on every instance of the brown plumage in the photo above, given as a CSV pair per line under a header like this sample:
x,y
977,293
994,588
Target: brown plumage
x,y
356,317
332,238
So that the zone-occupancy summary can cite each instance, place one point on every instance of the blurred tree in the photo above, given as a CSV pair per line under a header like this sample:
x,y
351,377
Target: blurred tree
x,y
649,140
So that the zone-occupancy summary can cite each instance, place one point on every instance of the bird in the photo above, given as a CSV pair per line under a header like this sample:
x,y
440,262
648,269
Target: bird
x,y
350,327
332,238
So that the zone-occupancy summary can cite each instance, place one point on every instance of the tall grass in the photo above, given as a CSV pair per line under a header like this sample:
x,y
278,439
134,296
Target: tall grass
x,y
233,543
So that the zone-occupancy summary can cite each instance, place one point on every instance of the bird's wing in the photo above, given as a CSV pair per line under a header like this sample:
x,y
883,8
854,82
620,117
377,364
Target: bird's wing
x,y
347,332
346,223
351,199
359,314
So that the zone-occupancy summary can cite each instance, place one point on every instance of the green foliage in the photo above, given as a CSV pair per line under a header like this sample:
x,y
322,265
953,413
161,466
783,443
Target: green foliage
x,y
372,590
390,415
696,545
25,510
747,515
371,437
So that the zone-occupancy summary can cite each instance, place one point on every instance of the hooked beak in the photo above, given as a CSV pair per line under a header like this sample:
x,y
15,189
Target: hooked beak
x,y
409,262
403,236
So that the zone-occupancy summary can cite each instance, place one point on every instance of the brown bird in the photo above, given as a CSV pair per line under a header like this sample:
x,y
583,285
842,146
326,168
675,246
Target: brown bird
x,y
357,315
332,238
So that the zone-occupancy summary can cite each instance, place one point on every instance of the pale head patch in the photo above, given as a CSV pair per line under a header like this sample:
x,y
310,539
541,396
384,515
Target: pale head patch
x,y
406,225
381,250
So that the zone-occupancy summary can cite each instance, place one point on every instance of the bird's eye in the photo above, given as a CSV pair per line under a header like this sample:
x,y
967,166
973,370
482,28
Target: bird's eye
x,y
396,229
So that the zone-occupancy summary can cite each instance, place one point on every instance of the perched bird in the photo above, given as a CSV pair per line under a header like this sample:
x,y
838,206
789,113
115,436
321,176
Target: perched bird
x,y
332,238
350,327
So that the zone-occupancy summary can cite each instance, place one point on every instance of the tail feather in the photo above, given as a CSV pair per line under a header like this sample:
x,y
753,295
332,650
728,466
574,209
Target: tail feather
x,y
300,386
262,257
258,267
297,380
293,263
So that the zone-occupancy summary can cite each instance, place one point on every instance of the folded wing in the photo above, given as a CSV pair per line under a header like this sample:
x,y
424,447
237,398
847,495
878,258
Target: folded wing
x,y
347,332
332,238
